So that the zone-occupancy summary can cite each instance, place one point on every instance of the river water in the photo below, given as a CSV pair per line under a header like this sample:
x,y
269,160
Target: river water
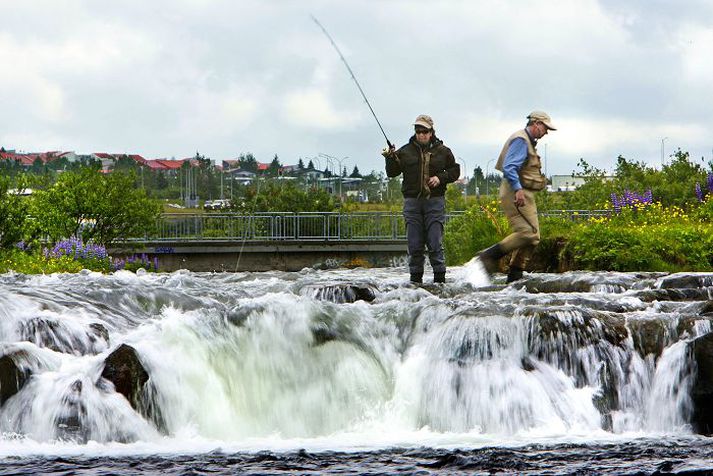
x,y
355,371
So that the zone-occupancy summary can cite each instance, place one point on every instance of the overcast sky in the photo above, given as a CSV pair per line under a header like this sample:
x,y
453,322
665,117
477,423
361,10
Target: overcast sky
x,y
167,78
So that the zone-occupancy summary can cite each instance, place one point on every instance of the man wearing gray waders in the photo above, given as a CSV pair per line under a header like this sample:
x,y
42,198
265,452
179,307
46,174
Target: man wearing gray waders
x,y
427,166
521,168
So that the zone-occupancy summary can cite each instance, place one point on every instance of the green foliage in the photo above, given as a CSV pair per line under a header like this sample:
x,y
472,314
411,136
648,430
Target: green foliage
x,y
650,238
284,197
13,214
479,227
100,208
673,185
454,198
37,263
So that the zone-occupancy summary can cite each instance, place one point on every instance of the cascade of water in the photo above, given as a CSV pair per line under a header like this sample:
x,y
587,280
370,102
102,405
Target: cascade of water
x,y
231,357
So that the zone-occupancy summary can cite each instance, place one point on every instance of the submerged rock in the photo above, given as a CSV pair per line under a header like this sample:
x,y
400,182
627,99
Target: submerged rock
x,y
702,391
52,334
70,420
12,376
343,293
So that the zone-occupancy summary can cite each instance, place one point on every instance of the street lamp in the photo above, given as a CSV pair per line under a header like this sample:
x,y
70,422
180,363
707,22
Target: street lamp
x,y
662,149
487,177
465,176
339,161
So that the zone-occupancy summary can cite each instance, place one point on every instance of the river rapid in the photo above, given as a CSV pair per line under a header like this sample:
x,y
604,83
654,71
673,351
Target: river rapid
x,y
355,371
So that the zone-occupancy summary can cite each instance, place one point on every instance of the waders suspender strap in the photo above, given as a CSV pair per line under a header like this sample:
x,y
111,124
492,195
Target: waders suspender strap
x,y
517,207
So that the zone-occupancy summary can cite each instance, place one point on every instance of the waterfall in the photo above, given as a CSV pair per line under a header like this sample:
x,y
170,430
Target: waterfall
x,y
234,357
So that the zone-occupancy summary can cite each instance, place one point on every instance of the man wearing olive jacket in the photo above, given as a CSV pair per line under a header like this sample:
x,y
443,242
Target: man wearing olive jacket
x,y
427,167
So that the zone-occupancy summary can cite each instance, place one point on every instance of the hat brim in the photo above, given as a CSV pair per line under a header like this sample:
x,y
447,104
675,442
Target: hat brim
x,y
425,125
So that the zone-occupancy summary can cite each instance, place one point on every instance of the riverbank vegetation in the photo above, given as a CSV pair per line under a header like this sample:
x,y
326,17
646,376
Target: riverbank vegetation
x,y
645,220
641,218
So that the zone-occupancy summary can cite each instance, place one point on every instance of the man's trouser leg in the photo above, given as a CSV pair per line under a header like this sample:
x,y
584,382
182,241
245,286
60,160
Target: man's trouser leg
x,y
523,239
415,234
435,217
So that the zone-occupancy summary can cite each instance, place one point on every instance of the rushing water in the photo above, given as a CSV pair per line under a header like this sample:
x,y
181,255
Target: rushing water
x,y
355,371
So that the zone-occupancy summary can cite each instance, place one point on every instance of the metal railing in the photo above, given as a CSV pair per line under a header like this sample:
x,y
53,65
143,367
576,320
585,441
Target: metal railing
x,y
308,226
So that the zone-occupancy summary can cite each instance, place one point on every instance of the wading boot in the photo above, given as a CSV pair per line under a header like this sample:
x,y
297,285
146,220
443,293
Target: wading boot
x,y
439,277
417,278
490,257
514,273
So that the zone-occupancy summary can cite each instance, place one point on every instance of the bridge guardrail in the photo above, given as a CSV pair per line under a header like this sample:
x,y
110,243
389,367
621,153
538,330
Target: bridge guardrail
x,y
306,226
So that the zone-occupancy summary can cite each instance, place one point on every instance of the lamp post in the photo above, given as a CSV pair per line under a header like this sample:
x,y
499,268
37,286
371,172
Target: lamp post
x,y
487,177
339,161
662,150
465,176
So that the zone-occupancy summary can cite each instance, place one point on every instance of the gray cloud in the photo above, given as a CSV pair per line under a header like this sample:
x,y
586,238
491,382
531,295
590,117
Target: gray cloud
x,y
168,78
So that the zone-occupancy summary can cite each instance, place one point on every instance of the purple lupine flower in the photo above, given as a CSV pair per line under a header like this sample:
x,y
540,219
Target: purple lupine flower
x,y
155,263
21,245
615,203
648,197
699,192
710,183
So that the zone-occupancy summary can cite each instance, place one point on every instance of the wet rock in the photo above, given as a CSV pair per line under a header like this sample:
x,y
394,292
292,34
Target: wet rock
x,y
584,326
649,336
70,419
51,334
12,376
344,293
707,309
606,399
678,294
123,368
683,280
702,391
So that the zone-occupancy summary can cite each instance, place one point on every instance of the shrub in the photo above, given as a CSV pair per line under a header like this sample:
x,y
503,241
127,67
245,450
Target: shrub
x,y
479,227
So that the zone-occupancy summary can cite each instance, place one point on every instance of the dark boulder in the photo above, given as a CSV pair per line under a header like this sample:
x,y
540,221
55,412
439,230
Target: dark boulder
x,y
124,369
649,336
13,376
702,391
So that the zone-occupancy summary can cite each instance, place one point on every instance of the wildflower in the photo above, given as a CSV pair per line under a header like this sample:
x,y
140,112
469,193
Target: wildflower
x,y
699,192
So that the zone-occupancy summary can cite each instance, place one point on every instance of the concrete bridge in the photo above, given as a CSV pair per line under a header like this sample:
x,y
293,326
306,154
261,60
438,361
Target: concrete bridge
x,y
279,241
273,241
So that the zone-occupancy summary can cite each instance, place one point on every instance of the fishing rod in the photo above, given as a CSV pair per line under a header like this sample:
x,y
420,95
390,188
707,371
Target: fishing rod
x,y
391,146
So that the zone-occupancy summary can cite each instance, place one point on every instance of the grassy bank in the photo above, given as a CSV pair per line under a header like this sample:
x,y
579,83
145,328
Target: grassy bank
x,y
638,237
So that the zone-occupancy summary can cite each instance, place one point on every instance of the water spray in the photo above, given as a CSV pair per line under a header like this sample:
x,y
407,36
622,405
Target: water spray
x,y
354,78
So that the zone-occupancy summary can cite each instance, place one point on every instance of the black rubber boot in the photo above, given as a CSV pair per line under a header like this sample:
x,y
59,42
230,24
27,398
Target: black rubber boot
x,y
490,257
417,278
514,273
439,277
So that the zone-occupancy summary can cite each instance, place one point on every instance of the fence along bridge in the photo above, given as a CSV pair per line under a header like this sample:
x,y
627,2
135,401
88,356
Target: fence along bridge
x,y
281,241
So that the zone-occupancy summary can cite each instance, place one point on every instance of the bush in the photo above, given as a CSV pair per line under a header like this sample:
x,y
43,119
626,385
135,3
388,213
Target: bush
x,y
100,208
13,215
479,227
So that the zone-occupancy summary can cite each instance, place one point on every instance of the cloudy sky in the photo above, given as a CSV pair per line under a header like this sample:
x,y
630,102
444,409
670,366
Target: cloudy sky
x,y
167,78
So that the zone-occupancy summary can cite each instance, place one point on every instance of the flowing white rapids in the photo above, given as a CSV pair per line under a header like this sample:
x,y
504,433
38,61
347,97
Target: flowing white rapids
x,y
264,361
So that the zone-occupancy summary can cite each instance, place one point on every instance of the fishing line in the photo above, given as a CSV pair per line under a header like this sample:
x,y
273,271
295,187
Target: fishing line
x,y
353,77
